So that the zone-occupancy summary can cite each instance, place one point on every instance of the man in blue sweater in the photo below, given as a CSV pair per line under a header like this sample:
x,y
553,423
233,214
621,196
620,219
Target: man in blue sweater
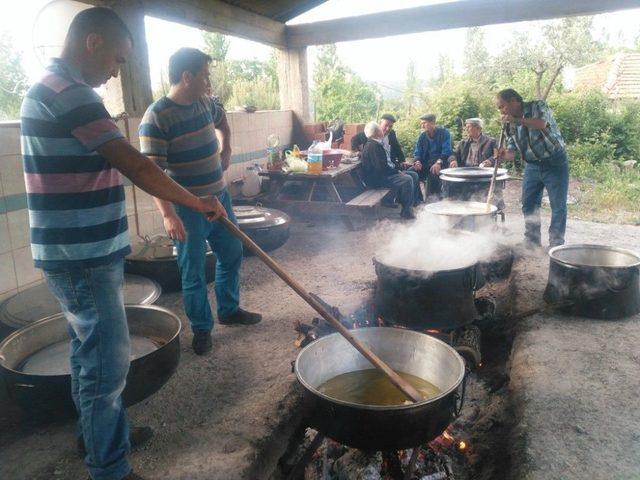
x,y
433,149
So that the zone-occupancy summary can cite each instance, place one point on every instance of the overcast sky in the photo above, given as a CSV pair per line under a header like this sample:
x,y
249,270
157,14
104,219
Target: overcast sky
x,y
380,60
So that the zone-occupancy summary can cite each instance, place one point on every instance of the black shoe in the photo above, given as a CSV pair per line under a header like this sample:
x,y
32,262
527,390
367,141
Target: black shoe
x,y
133,476
241,317
201,342
408,214
137,436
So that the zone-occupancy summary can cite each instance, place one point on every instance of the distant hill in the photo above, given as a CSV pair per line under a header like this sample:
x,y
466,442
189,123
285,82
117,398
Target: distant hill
x,y
390,89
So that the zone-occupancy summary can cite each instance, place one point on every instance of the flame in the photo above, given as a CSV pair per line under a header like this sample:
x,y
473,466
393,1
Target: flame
x,y
432,330
462,445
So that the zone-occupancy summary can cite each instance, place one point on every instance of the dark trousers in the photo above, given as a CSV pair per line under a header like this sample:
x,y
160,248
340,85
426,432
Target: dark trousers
x,y
552,174
402,186
417,192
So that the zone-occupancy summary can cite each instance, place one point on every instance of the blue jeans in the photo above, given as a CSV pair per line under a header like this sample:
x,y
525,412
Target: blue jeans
x,y
92,302
552,174
191,261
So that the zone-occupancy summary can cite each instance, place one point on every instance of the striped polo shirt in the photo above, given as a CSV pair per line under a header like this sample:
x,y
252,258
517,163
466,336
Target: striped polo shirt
x,y
76,201
182,140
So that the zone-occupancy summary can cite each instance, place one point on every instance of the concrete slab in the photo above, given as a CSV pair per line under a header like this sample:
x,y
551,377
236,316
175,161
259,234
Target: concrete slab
x,y
574,381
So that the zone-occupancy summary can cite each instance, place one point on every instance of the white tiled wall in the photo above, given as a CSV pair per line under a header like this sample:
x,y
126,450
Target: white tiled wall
x,y
249,134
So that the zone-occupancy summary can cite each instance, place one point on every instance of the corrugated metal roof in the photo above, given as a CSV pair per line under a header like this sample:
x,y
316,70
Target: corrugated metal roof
x,y
279,10
617,76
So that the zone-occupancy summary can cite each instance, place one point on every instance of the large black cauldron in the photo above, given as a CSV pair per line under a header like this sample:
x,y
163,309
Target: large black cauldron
x,y
372,427
420,300
34,361
594,281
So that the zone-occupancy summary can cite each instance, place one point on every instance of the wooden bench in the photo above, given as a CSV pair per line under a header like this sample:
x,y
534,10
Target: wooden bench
x,y
369,198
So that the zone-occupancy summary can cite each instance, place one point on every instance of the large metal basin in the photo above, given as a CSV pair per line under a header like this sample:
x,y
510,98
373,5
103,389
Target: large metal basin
x,y
372,427
35,368
470,216
595,281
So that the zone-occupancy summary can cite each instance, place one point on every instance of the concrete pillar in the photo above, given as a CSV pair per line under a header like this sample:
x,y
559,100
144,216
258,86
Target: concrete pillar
x,y
293,80
131,91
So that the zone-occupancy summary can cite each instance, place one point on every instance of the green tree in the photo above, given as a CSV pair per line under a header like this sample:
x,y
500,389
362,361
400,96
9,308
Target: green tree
x,y
339,92
13,80
537,65
241,82
476,60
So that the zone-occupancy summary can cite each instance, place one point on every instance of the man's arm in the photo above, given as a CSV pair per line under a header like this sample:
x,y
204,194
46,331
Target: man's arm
x,y
446,148
225,133
396,148
149,177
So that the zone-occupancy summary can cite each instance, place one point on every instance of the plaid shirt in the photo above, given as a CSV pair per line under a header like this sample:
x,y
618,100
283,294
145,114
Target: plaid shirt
x,y
536,145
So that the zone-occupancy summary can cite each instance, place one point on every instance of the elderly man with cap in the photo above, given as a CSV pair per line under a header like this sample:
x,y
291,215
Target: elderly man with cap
x,y
476,150
393,150
433,149
378,171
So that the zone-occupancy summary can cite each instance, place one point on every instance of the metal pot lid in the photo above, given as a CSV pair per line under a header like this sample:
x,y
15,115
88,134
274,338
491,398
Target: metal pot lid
x,y
472,172
259,217
158,247
460,208
594,256
449,178
36,303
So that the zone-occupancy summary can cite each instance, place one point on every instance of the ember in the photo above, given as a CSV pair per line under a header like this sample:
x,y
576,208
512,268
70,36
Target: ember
x,y
332,460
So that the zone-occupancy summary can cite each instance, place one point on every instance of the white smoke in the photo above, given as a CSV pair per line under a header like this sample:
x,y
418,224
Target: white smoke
x,y
429,245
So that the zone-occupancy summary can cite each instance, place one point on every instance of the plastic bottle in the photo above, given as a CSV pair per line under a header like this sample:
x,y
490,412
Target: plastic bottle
x,y
314,159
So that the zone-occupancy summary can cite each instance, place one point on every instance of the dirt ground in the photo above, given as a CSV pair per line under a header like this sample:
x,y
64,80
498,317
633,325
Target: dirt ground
x,y
227,415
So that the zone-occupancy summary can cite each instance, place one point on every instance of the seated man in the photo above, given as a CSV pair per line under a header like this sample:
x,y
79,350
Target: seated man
x,y
433,149
394,152
476,150
378,171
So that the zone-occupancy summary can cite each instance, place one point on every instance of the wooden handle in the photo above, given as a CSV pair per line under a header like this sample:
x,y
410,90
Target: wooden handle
x,y
396,379
495,171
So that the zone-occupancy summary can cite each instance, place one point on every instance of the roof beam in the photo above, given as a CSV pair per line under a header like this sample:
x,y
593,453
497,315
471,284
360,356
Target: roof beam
x,y
460,14
214,15
220,17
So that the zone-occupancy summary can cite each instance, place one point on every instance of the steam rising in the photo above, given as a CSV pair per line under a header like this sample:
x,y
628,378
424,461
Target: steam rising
x,y
429,245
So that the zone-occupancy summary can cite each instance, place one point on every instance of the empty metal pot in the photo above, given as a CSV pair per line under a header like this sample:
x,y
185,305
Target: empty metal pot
x,y
156,258
34,361
373,427
594,281
268,227
37,302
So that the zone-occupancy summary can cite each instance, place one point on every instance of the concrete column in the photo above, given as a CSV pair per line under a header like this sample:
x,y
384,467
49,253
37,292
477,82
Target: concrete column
x,y
131,91
293,80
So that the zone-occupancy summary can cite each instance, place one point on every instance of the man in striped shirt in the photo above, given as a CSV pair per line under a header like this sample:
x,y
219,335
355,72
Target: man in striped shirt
x,y
179,132
73,154
534,133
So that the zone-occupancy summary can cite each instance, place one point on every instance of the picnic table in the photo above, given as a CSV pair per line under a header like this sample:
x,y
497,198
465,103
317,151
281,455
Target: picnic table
x,y
338,191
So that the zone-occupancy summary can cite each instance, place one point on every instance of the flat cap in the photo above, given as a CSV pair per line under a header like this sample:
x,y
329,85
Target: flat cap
x,y
388,117
428,117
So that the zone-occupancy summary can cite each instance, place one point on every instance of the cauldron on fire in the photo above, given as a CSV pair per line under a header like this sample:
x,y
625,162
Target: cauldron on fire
x,y
374,427
420,299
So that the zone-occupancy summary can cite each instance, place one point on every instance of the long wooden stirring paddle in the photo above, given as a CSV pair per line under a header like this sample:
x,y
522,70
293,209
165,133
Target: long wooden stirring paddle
x,y
495,168
393,377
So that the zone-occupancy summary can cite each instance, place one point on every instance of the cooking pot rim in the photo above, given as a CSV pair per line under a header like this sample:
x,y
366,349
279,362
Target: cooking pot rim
x,y
56,316
420,273
434,399
431,208
591,246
